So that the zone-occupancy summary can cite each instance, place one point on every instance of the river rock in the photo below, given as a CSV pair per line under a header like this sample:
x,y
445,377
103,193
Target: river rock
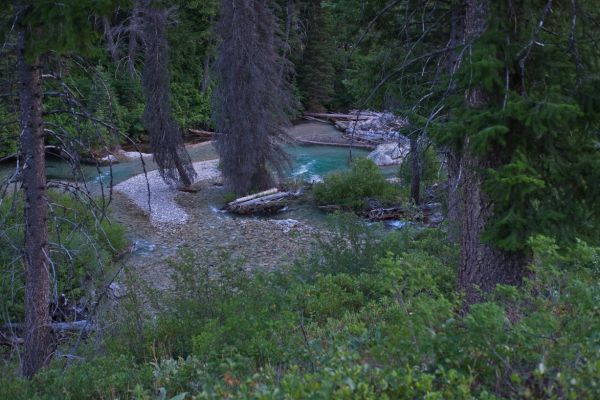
x,y
109,159
389,154
132,155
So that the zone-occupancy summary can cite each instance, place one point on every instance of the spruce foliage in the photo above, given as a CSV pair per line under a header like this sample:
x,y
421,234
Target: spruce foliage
x,y
541,123
317,72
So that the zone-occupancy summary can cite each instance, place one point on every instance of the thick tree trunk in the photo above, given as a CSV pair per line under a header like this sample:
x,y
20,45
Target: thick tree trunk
x,y
415,167
455,206
37,285
482,266
453,61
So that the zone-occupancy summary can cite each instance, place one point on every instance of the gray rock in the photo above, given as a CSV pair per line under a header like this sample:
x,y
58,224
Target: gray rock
x,y
389,154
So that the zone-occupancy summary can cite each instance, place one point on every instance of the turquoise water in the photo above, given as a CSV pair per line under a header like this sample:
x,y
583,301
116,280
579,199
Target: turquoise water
x,y
311,162
308,163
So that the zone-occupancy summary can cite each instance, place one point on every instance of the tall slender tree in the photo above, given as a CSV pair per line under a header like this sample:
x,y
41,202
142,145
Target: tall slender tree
x,y
37,283
252,97
42,28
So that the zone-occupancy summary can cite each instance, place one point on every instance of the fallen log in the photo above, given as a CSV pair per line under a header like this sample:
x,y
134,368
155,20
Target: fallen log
x,y
10,341
309,118
254,196
75,326
334,116
201,133
384,214
266,202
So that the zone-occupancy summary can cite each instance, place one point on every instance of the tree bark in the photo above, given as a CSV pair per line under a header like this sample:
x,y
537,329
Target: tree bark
x,y
453,61
455,206
135,27
175,165
38,338
415,166
111,43
482,266
206,73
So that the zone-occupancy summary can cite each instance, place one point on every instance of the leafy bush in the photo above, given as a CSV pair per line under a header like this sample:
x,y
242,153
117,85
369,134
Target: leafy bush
x,y
351,189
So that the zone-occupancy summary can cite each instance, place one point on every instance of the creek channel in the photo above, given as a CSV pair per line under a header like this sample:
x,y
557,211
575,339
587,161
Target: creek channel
x,y
261,242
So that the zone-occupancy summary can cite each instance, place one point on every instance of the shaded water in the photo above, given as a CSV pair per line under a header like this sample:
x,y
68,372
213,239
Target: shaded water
x,y
308,163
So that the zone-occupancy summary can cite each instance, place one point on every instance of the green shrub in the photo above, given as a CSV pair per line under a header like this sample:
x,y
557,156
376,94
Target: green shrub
x,y
351,189
393,327
105,378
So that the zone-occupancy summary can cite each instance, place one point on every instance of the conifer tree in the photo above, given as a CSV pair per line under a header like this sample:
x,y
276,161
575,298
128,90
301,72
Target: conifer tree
x,y
42,27
252,97
317,72
530,153
174,163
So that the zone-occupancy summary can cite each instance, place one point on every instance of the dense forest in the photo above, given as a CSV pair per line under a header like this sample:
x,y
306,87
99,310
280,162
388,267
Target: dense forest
x,y
353,199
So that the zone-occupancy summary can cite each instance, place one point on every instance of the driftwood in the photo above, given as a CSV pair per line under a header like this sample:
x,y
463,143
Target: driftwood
x,y
267,202
309,118
201,133
13,341
385,214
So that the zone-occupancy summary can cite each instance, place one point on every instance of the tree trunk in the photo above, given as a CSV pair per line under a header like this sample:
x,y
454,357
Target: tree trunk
x,y
453,61
111,44
415,176
206,73
174,163
37,285
482,266
455,206
134,36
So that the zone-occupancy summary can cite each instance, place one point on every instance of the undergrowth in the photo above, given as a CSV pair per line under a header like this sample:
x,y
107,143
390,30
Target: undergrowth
x,y
351,189
370,315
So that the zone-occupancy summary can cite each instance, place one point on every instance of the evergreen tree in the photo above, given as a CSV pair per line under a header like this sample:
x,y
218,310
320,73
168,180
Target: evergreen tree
x,y
317,72
42,27
252,97
174,163
530,153
509,90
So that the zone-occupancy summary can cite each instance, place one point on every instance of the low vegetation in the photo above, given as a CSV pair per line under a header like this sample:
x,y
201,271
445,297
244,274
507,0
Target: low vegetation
x,y
373,315
351,189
